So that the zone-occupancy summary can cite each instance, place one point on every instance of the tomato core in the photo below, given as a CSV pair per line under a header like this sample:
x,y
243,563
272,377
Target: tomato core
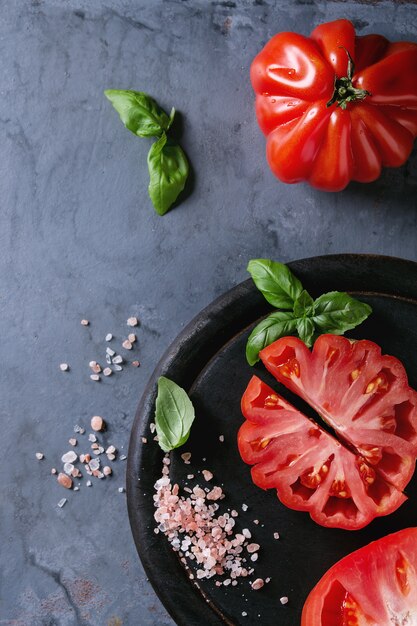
x,y
344,91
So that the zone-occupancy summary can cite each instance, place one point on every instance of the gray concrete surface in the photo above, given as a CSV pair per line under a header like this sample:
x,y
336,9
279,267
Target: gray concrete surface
x,y
79,238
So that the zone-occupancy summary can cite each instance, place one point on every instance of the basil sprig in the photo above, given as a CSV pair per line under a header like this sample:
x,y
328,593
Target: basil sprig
x,y
334,312
167,163
174,414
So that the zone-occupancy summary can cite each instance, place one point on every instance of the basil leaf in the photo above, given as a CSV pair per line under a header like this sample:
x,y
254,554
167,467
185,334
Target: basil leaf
x,y
277,283
336,312
305,330
168,171
140,113
174,414
303,306
276,325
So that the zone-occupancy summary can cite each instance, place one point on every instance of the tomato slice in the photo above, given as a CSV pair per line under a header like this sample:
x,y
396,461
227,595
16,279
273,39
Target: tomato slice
x,y
374,586
363,395
310,469
358,471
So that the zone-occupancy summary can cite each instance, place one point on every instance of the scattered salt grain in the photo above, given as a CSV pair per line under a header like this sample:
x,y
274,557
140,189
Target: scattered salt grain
x,y
110,450
284,600
94,464
123,457
256,521
135,363
110,352
88,483
190,476
186,456
254,557
257,584
118,368
64,367
62,502
221,438
95,377
95,367
244,614
39,456
53,470
207,475
107,371
117,359
92,438
276,535
253,547
69,457
246,533
68,467
109,337
132,337
132,321
127,344
97,423
84,322
64,481
72,441
144,440
111,457
244,507
107,470
121,489
76,488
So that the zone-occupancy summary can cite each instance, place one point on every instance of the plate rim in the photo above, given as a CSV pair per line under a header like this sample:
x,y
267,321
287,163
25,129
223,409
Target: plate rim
x,y
199,607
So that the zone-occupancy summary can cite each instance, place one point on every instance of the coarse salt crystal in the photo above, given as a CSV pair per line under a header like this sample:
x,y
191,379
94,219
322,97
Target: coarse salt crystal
x,y
257,584
62,502
69,457
127,344
221,438
64,367
244,507
284,600
109,337
246,533
110,352
95,377
152,427
39,456
107,371
121,489
276,535
254,557
186,456
144,440
72,441
132,321
84,322
88,483
132,337
253,547
207,475
117,359
135,363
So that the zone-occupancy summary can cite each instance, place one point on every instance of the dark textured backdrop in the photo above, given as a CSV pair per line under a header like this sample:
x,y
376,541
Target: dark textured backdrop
x,y
80,239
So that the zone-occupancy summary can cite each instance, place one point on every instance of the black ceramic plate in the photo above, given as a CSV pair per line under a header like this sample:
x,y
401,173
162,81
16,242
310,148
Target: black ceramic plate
x,y
208,360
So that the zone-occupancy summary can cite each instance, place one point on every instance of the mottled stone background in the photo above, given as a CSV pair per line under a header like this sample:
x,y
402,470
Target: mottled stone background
x,y
80,239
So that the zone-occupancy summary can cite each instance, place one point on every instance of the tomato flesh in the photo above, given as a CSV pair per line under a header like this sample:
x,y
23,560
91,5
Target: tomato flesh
x,y
358,471
374,586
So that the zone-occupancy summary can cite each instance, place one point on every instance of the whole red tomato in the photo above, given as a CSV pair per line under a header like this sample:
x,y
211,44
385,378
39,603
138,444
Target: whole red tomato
x,y
335,107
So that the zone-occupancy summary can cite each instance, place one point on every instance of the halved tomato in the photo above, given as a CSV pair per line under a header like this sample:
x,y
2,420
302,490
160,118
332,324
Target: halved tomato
x,y
366,400
374,586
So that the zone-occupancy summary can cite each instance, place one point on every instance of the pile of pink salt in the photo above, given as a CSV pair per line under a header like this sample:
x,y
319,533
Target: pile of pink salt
x,y
201,534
